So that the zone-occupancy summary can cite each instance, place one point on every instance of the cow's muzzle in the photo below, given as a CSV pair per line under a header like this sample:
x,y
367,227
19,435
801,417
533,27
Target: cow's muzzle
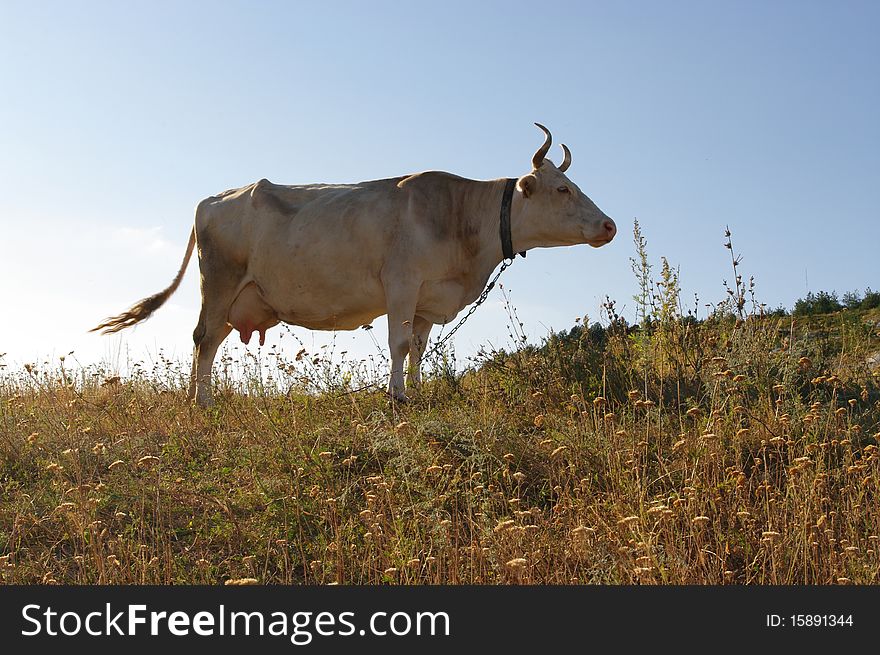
x,y
608,231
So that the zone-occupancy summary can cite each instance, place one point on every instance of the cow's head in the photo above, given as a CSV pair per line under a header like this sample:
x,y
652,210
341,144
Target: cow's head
x,y
554,210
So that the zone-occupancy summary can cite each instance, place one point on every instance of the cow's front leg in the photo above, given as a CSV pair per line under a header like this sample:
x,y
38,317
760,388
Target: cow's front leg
x,y
401,313
421,332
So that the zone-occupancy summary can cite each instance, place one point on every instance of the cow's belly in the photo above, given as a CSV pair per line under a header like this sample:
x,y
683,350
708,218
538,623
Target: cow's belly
x,y
325,286
343,320
324,305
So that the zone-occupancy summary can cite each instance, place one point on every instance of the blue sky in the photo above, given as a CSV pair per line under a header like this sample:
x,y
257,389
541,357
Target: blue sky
x,y
117,118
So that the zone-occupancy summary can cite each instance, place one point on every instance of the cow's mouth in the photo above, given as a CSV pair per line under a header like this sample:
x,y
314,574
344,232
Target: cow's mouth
x,y
607,233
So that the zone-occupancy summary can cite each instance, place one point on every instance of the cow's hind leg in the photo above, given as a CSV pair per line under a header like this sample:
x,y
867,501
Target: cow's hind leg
x,y
210,332
219,281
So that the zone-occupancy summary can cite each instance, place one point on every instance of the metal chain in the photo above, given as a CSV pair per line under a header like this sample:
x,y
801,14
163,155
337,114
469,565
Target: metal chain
x,y
504,265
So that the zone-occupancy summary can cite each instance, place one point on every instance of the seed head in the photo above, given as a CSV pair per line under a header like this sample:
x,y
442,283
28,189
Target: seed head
x,y
504,525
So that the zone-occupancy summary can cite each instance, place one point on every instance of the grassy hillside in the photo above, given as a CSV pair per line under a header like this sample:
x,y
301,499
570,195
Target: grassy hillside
x,y
727,451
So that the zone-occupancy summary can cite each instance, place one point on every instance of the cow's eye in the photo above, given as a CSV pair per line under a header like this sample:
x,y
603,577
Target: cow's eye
x,y
564,189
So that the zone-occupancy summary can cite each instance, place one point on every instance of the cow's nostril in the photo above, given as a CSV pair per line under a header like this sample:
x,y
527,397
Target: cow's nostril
x,y
610,228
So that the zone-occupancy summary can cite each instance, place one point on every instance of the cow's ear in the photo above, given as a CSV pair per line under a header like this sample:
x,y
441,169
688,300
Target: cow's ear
x,y
527,184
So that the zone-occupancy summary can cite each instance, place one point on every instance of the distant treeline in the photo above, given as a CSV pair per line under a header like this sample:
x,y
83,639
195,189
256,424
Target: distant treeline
x,y
823,302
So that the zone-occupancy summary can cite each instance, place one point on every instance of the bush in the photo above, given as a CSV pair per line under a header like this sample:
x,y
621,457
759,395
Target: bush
x,y
871,299
818,303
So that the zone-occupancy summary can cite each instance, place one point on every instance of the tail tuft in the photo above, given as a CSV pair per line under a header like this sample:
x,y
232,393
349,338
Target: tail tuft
x,y
143,309
138,312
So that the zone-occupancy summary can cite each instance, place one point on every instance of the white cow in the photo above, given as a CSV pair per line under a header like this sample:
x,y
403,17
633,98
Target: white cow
x,y
418,248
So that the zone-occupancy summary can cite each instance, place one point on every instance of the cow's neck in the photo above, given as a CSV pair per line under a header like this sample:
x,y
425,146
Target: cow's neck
x,y
484,206
492,252
521,238
523,232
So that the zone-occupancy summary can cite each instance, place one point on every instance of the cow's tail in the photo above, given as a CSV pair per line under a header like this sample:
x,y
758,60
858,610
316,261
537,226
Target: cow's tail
x,y
143,309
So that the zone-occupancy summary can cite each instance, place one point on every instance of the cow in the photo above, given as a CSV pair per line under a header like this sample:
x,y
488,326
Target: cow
x,y
418,248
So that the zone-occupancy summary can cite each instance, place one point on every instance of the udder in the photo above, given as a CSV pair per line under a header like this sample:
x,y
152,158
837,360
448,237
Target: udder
x,y
250,313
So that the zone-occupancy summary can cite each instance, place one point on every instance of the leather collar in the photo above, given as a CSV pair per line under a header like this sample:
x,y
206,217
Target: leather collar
x,y
504,228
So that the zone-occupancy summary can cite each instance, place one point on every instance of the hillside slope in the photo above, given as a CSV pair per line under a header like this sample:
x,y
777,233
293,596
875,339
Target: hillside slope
x,y
741,452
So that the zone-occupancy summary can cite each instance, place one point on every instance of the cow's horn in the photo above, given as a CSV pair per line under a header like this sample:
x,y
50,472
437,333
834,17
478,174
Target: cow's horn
x,y
538,159
566,162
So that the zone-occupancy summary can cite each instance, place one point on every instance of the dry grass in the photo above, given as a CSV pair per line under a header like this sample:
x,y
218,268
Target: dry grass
x,y
727,451
714,453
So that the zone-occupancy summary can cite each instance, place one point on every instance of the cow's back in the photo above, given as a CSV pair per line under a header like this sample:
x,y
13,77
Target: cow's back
x,y
234,221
